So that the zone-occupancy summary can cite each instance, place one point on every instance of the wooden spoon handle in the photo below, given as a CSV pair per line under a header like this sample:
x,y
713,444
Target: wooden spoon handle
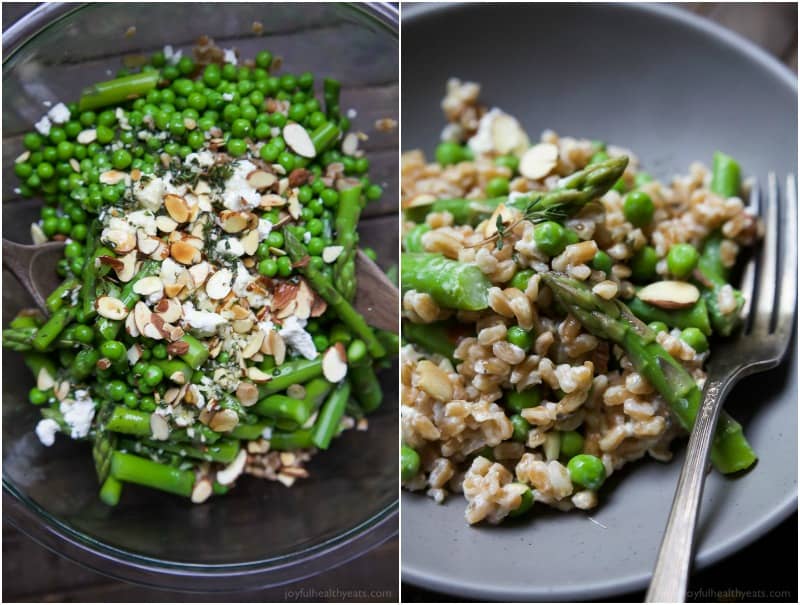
x,y
377,298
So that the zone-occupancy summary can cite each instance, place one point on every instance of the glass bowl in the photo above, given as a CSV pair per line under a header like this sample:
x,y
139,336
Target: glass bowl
x,y
261,533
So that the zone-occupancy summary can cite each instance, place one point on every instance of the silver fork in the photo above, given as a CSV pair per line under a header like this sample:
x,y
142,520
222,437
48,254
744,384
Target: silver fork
x,y
770,288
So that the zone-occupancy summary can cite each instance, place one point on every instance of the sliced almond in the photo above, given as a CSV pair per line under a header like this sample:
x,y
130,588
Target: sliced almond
x,y
148,286
434,381
146,243
507,135
350,144
423,199
184,253
253,345
277,346
128,267
233,222
669,294
169,310
75,165
173,290
538,161
195,242
256,375
122,241
23,157
224,420
152,331
250,242
199,273
294,207
202,187
130,326
334,363
229,474
112,177
331,253
298,140
159,427
219,285
171,394
141,315
506,216
37,235
61,390
111,308
44,380
247,393
272,200
177,207
242,326
165,224
134,354
161,252
87,136
286,479
202,490
261,179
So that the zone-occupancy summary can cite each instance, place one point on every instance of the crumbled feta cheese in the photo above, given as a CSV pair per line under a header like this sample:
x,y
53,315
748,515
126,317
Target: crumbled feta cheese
x,y
229,56
352,113
296,338
239,195
145,220
204,158
47,103
172,56
264,229
149,194
267,432
230,246
183,416
306,237
243,279
43,126
78,413
122,119
46,430
203,323
58,114
228,96
266,326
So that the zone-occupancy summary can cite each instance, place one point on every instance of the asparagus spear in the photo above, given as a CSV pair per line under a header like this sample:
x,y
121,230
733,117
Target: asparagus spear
x,y
366,386
347,213
119,90
695,316
330,415
452,284
612,320
331,295
711,276
434,338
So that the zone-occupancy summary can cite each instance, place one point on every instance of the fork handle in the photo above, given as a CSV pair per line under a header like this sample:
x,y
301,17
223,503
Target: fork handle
x,y
671,573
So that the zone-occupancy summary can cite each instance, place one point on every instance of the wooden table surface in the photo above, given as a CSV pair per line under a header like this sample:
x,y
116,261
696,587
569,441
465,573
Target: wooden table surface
x,y
32,573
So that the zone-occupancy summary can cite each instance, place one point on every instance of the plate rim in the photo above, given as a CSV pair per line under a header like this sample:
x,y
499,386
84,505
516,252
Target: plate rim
x,y
705,557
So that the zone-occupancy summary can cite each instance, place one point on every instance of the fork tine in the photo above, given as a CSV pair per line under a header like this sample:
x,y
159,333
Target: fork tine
x,y
788,293
748,282
767,279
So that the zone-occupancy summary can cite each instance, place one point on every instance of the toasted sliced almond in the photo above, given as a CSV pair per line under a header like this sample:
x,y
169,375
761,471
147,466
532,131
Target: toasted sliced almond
x,y
169,310
669,294
350,144
507,135
173,290
219,285
298,139
242,326
134,354
538,161
152,331
130,326
159,427
171,394
141,315
334,363
224,420
294,207
272,200
37,235
250,242
253,345
161,252
331,253
233,222
202,490
277,347
128,267
184,253
44,380
195,242
506,215
261,179
146,243
61,390
122,241
112,177
87,136
247,393
434,381
199,273
424,199
257,375
177,207
165,224
229,474
148,286
111,308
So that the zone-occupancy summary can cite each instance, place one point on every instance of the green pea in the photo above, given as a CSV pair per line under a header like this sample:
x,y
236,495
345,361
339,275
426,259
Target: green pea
x,y
374,192
315,246
57,135
268,267
237,147
682,259
658,326
153,375
116,390
571,443
287,160
450,153
409,463
643,264
160,351
519,337
223,357
32,141
284,266
330,197
521,279
695,339
497,186
64,224
525,503
23,170
587,470
131,400
320,342
550,238
263,59
121,159
509,161
79,232
37,396
147,404
638,208
521,428
642,178
241,128
602,262
275,239
520,400
84,334
269,153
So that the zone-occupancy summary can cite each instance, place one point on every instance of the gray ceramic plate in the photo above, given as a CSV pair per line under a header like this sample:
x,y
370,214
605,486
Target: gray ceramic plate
x,y
673,88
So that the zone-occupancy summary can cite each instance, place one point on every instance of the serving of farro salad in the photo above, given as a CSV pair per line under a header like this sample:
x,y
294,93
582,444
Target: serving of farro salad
x,y
204,326
557,307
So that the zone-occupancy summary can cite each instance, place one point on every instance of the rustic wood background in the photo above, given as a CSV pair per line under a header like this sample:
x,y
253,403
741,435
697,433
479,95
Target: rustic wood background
x,y
33,574
772,26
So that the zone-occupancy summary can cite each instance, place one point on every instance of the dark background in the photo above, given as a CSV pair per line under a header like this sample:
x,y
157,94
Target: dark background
x,y
766,571
33,574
